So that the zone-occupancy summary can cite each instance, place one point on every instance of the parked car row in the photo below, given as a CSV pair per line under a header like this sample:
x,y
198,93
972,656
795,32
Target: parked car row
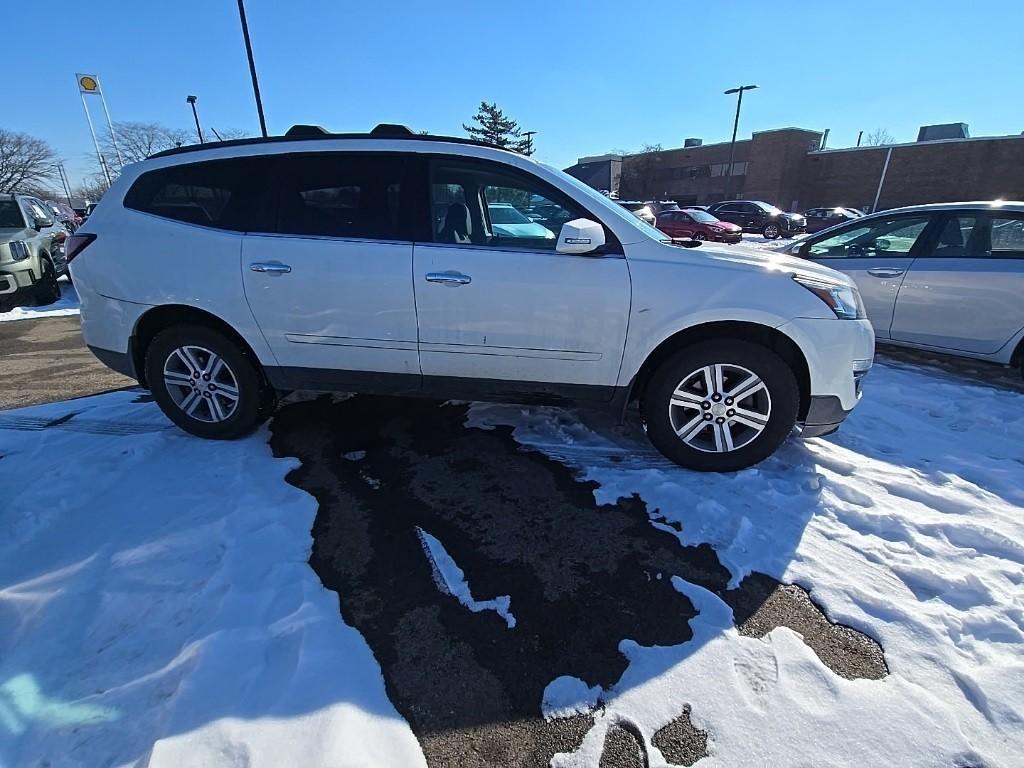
x,y
31,249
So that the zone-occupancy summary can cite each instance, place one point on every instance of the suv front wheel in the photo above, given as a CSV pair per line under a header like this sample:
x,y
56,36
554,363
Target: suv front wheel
x,y
47,290
721,405
205,383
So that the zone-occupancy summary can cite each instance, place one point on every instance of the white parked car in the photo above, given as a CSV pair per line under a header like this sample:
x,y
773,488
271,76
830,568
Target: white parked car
x,y
222,274
945,277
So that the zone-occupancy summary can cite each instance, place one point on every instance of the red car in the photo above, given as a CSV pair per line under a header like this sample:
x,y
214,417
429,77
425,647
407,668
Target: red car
x,y
698,225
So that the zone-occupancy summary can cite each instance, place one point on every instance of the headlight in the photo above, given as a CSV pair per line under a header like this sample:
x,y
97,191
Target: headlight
x,y
19,250
844,300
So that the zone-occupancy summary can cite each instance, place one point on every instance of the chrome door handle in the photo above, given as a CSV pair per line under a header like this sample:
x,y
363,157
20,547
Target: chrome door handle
x,y
272,268
448,278
886,271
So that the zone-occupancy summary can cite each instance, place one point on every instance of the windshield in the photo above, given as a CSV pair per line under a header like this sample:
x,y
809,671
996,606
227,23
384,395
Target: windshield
x,y
768,208
607,204
506,214
10,216
702,216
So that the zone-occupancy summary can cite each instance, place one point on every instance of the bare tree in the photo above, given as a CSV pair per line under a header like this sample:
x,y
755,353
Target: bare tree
x,y
91,188
638,170
227,134
24,160
877,138
137,141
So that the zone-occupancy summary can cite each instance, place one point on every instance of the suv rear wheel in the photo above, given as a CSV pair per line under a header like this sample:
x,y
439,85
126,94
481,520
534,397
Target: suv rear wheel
x,y
47,290
205,383
721,405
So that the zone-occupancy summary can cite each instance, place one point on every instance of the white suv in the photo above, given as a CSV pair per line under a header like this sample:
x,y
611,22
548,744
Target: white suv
x,y
220,275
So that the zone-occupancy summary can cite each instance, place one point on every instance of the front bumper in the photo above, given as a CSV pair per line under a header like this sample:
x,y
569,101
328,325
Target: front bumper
x,y
824,416
729,237
14,277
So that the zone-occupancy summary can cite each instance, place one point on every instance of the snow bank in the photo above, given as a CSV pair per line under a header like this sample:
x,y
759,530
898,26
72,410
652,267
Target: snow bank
x,y
156,606
67,304
907,525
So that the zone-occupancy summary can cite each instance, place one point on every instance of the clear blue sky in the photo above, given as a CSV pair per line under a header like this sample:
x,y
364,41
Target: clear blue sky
x,y
587,76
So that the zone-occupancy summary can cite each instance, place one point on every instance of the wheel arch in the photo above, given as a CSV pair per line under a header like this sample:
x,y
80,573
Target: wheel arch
x,y
164,316
769,337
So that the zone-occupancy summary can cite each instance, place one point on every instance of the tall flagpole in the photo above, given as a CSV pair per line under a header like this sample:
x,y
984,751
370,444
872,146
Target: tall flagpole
x,y
110,127
95,143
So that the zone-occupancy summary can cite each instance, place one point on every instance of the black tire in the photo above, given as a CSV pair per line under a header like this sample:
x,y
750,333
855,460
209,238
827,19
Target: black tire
x,y
46,291
255,399
771,231
774,372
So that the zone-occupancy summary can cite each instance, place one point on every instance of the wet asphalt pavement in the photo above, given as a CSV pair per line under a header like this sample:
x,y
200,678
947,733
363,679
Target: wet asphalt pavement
x,y
581,576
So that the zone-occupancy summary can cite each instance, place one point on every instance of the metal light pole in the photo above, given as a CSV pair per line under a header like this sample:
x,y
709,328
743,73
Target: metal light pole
x,y
735,127
192,100
252,67
64,181
529,142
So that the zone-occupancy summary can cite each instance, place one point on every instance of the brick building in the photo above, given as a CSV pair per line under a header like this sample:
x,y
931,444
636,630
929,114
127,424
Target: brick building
x,y
786,167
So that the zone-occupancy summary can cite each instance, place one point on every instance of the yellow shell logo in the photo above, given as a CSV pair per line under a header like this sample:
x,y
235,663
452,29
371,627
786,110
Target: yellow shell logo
x,y
88,83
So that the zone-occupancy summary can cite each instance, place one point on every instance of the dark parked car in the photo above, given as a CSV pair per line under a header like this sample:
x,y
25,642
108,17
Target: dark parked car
x,y
823,218
698,225
757,216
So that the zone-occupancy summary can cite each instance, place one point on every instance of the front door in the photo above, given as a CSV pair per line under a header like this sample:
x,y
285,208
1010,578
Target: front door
x,y
964,291
330,283
877,255
496,303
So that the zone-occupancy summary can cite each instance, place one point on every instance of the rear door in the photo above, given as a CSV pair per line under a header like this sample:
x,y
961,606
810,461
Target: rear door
x,y
504,309
876,253
965,292
730,212
330,280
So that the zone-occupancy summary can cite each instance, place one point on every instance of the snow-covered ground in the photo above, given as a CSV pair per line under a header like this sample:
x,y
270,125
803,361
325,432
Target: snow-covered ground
x,y
67,304
157,608
907,525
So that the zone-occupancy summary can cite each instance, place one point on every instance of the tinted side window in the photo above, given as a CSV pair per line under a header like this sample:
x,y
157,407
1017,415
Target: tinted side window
x,y
225,194
342,194
1007,238
879,237
486,204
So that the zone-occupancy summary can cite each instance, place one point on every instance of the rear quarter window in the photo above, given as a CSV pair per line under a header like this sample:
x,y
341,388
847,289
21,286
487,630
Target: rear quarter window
x,y
223,194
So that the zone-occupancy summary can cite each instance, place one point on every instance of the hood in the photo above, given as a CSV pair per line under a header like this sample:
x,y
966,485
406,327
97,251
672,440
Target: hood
x,y
726,226
7,234
779,262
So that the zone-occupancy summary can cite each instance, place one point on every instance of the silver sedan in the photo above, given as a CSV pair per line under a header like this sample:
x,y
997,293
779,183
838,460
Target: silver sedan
x,y
947,277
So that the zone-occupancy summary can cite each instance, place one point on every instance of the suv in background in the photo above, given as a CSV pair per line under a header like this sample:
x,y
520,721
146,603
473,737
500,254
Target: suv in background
x,y
823,218
221,274
946,277
31,250
641,210
757,216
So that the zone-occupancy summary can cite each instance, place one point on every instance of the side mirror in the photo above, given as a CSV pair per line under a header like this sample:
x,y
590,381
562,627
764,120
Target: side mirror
x,y
580,236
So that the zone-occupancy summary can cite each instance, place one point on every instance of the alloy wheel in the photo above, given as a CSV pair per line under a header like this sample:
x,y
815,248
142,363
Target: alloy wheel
x,y
201,384
720,408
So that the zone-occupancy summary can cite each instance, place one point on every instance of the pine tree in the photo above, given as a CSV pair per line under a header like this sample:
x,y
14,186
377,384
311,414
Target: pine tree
x,y
495,128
